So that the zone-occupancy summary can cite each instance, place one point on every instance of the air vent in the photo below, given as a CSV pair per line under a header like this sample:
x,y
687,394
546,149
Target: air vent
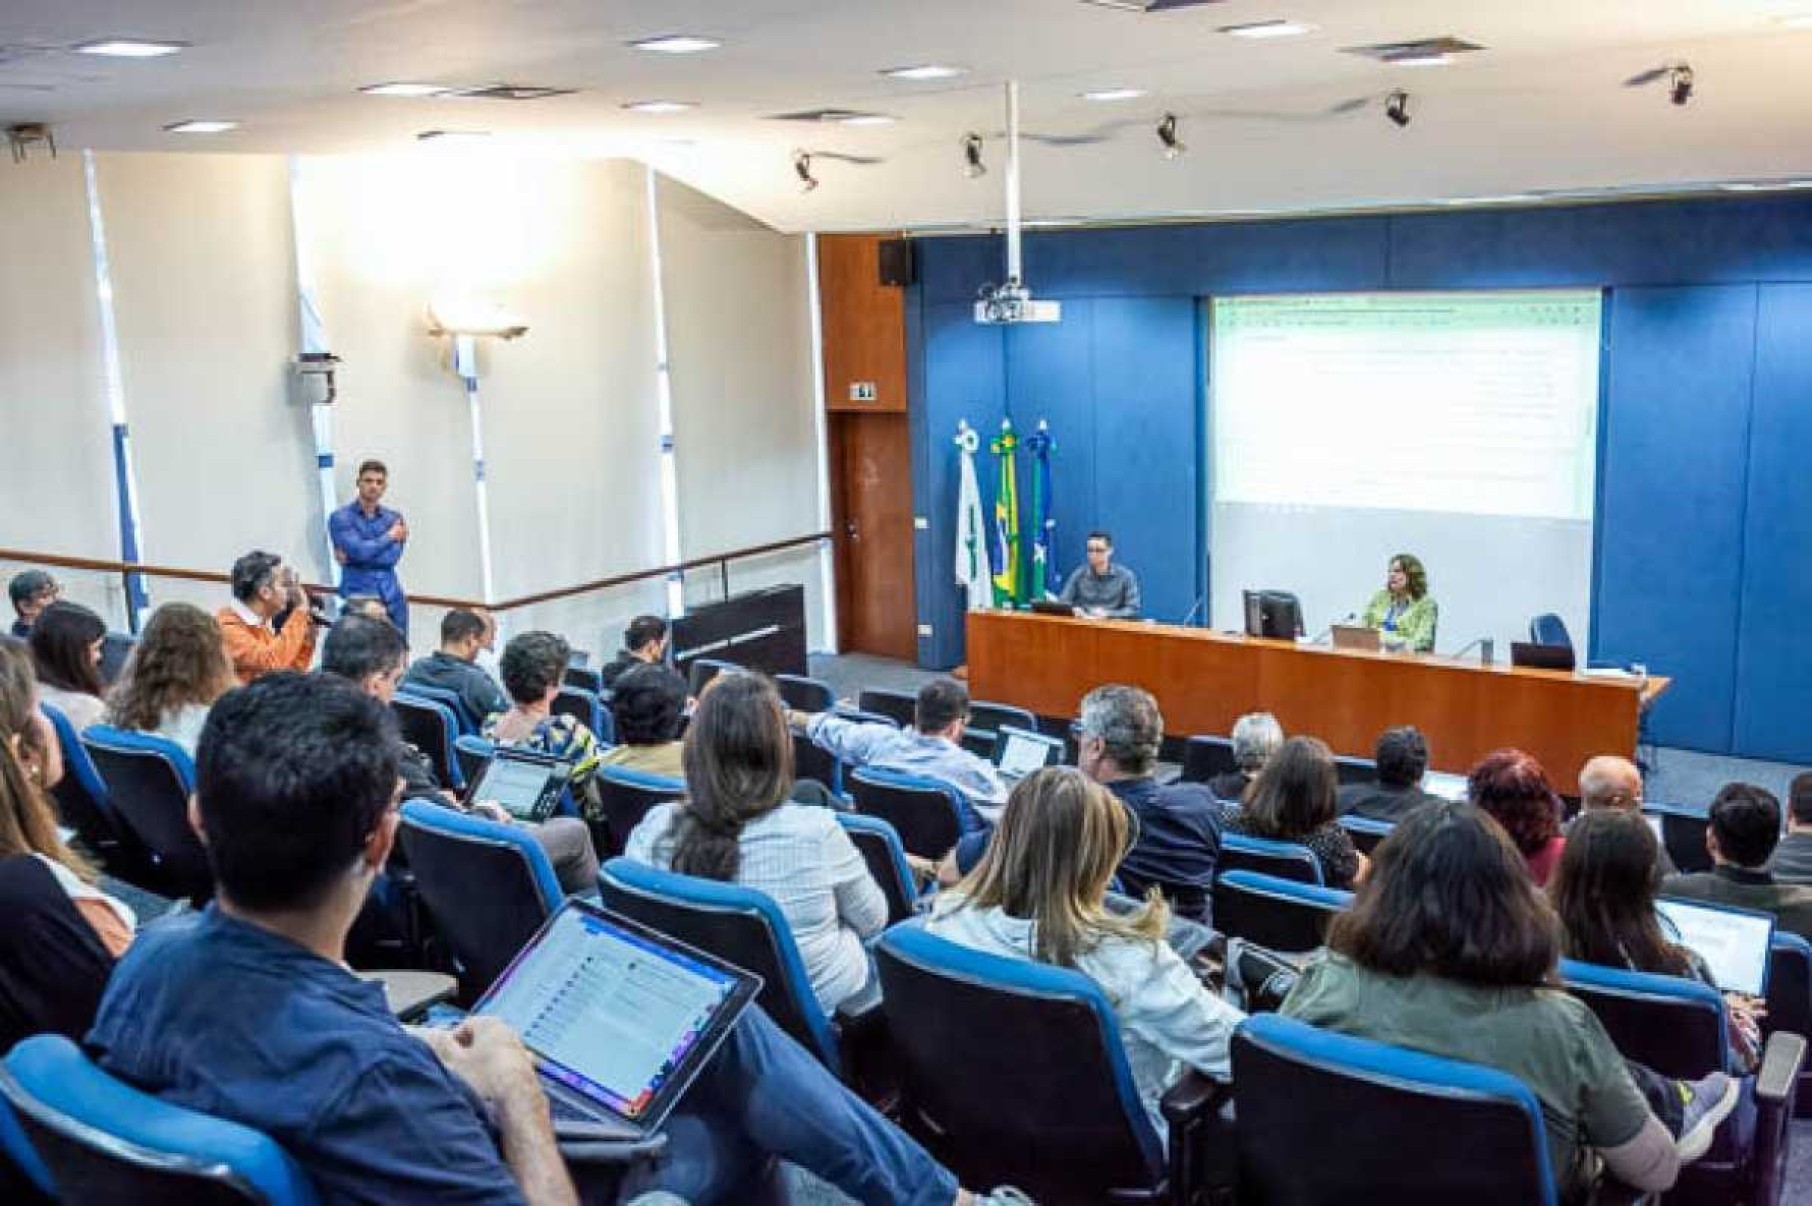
x,y
513,92
1150,6
1419,50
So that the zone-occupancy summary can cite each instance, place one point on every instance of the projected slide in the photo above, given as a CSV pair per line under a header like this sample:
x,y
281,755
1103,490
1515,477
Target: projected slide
x,y
1458,426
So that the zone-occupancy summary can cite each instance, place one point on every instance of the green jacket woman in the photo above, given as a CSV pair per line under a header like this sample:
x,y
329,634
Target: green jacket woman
x,y
1404,613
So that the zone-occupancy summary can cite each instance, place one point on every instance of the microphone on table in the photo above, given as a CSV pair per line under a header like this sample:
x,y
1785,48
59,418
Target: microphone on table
x,y
1485,645
1329,630
1194,607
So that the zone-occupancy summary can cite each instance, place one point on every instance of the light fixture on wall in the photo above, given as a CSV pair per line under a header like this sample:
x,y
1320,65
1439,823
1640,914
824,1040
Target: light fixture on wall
x,y
461,314
1174,146
973,167
802,168
1396,107
1677,76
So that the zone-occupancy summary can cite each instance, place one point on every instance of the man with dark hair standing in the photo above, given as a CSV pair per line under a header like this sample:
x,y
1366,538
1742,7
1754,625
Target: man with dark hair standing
x,y
1100,588
1792,863
931,749
368,540
1745,826
1402,758
644,644
263,589
454,666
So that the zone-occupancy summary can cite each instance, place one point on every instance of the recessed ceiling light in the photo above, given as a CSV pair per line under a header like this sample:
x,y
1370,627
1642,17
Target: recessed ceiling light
x,y
1269,29
1114,94
129,48
402,88
201,126
676,44
659,106
1435,59
449,137
868,119
924,71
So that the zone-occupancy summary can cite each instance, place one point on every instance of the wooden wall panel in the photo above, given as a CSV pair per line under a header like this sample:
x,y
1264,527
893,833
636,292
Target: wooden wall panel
x,y
864,325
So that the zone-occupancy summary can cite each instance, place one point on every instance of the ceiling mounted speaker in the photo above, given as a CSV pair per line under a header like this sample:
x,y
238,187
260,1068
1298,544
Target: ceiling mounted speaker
x,y
898,264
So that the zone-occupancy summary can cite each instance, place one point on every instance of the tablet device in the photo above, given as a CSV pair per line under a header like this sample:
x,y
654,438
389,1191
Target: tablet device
x,y
527,785
1733,942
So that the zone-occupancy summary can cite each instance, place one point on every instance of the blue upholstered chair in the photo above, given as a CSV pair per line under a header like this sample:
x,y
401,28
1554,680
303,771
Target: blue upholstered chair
x,y
1790,1000
812,761
880,848
431,727
487,886
864,717
741,926
1206,756
992,716
702,670
1683,829
1281,914
806,694
1351,769
1677,1027
1328,1119
100,1140
149,780
897,706
1366,832
84,805
1019,1070
588,709
473,754
626,796
463,719
926,814
1285,860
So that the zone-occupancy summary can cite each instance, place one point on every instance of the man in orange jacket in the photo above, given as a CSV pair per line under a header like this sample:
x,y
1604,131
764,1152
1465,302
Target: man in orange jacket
x,y
263,587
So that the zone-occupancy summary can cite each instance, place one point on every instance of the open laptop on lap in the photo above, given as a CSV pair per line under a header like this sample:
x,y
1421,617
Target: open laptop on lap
x,y
527,785
1733,942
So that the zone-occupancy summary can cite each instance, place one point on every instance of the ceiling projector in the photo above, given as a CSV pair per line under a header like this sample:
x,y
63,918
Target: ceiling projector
x,y
1011,303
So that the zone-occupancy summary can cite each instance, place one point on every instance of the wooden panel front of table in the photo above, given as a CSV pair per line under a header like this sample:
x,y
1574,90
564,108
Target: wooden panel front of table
x,y
1205,680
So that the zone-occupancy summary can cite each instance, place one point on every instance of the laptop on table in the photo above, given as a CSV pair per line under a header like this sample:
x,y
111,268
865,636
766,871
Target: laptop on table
x,y
1018,752
620,1018
527,785
1357,636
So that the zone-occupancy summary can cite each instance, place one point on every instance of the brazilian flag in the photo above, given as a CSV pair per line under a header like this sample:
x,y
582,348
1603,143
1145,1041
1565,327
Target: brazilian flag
x,y
1009,566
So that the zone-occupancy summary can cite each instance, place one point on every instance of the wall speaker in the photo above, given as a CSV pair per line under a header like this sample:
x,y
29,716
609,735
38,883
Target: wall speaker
x,y
899,267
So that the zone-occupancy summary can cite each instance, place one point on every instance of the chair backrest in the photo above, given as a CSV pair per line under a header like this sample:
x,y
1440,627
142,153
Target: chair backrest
x,y
1351,769
463,720
1549,629
924,812
586,708
812,761
149,780
1282,914
702,670
1366,832
487,886
1671,1024
861,717
897,706
102,1140
430,727
980,742
993,716
81,794
806,694
473,754
739,925
1206,756
626,796
880,848
585,678
1683,829
1789,985
1019,1065
1285,860
1327,1118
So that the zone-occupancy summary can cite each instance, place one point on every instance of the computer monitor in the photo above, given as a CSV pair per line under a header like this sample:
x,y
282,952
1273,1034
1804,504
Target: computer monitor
x,y
1273,613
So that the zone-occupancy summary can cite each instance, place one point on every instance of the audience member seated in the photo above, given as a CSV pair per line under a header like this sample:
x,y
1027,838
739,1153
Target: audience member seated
x,y
1745,826
1256,736
66,642
1792,861
263,589
534,668
1450,950
931,749
647,706
370,653
175,673
1179,826
39,752
737,825
62,934
295,794
454,666
1402,758
1040,892
1514,790
31,592
1604,893
644,644
1608,781
1292,800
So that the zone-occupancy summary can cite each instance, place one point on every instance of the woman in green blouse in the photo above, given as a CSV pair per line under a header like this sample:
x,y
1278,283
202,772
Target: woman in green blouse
x,y
1403,612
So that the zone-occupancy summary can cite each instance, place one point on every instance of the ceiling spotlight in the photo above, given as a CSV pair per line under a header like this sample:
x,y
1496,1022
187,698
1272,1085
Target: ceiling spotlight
x,y
676,44
1679,84
972,156
924,71
802,168
129,48
201,126
1396,107
1167,134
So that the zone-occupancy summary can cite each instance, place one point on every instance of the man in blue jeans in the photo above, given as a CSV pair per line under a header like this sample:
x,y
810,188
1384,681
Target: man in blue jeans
x,y
247,1011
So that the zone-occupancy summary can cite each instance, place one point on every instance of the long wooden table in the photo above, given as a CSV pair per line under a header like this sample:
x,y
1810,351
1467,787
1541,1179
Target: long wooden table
x,y
1205,680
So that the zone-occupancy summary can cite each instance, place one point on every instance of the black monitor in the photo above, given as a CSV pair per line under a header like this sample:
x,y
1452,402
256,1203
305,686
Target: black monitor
x,y
1273,613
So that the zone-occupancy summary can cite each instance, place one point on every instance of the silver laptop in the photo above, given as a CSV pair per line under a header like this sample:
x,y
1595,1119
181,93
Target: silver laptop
x,y
1733,942
1018,752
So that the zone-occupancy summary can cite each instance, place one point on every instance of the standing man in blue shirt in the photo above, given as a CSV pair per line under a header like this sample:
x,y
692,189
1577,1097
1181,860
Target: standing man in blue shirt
x,y
368,540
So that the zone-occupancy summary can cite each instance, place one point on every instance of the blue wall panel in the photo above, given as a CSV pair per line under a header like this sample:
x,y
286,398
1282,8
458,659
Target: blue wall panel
x,y
1670,519
1774,652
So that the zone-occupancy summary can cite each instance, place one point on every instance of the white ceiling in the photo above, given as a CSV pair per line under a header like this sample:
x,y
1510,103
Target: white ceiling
x,y
1542,109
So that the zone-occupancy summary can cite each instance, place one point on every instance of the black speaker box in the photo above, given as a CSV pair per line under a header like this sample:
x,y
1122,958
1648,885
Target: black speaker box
x,y
898,265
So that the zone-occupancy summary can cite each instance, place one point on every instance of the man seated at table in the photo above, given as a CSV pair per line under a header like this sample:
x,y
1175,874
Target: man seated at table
x,y
931,749
1100,588
1402,758
1745,826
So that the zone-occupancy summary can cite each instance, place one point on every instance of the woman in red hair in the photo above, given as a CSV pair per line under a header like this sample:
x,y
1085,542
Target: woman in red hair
x,y
1514,790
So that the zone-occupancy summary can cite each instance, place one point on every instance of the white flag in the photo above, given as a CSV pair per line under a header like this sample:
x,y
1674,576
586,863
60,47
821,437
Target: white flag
x,y
972,570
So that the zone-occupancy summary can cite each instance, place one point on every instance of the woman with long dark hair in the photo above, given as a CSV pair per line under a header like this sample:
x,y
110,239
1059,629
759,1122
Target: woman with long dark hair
x,y
1294,800
736,825
66,653
1451,950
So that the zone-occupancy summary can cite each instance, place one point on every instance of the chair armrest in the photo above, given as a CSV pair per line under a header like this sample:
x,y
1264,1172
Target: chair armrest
x,y
1783,1058
411,994
1775,1085
582,1143
1203,1155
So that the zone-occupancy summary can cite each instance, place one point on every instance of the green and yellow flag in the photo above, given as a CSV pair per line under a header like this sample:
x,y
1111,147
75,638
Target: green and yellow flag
x,y
1009,566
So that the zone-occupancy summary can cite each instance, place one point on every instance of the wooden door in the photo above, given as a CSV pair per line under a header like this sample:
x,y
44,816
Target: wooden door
x,y
871,462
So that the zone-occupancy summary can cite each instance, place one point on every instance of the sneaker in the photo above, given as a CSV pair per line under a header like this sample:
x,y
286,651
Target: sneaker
x,y
1002,1195
1707,1103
